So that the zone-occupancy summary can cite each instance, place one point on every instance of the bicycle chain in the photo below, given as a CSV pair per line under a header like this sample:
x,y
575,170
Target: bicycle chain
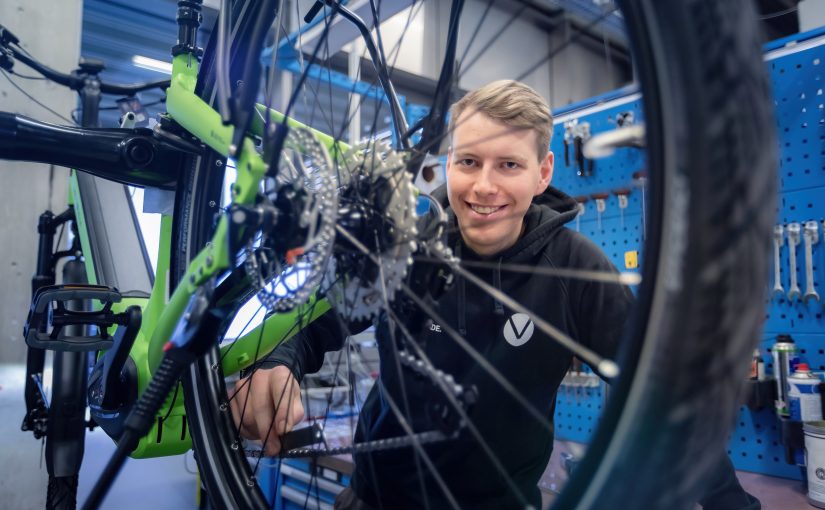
x,y
432,436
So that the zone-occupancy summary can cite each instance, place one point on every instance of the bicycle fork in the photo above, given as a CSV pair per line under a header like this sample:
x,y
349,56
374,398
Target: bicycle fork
x,y
36,404
63,420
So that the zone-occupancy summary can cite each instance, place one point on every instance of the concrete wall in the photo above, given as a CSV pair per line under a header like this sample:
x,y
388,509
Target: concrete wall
x,y
811,14
50,31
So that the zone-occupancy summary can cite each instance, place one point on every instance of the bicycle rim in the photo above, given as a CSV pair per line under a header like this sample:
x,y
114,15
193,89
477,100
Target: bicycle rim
x,y
711,190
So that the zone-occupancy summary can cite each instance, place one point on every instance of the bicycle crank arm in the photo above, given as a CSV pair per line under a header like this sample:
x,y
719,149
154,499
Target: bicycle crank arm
x,y
302,437
130,156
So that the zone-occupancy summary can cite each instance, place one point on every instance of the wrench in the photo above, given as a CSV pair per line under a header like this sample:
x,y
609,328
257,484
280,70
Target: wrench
x,y
793,241
810,236
778,241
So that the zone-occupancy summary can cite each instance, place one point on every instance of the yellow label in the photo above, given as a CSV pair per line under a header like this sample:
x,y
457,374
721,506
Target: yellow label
x,y
631,259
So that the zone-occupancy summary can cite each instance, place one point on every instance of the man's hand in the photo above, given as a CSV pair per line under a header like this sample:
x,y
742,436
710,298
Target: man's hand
x,y
267,405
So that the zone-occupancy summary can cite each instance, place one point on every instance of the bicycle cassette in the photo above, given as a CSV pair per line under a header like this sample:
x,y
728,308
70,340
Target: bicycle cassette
x,y
377,217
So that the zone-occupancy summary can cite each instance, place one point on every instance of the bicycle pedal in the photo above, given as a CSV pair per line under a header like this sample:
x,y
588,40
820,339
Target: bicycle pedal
x,y
48,315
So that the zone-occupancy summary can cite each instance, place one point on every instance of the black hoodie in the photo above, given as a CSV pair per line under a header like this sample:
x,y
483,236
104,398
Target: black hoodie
x,y
591,313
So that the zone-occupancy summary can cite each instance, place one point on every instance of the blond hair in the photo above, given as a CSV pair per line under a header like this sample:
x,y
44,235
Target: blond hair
x,y
512,103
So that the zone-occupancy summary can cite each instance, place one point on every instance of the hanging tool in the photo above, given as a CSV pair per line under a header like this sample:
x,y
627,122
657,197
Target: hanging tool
x,y
640,181
794,230
810,237
778,241
622,197
601,205
569,135
582,135
625,119
580,201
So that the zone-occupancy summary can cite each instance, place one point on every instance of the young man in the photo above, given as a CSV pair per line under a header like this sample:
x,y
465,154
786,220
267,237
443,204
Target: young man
x,y
501,212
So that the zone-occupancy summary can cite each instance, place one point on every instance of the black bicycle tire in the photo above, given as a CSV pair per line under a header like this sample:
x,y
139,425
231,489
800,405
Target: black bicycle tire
x,y
224,471
704,341
66,430
62,493
704,315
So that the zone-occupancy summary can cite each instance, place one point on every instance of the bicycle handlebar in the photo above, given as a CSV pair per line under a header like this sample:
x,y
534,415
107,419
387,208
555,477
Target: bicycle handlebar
x,y
75,80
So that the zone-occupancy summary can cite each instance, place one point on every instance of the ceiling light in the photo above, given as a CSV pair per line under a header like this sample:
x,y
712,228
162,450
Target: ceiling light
x,y
152,64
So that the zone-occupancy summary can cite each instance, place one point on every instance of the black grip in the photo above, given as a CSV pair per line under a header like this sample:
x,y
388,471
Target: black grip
x,y
578,143
166,377
313,11
7,37
134,88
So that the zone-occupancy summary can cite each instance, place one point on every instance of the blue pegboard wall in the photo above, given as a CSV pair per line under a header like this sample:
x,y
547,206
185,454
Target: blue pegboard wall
x,y
578,407
616,232
796,71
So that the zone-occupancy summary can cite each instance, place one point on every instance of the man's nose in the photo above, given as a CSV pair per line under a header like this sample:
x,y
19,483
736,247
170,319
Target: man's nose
x,y
485,181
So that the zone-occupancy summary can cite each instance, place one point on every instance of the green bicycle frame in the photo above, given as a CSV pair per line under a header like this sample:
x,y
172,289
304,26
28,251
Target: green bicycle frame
x,y
161,312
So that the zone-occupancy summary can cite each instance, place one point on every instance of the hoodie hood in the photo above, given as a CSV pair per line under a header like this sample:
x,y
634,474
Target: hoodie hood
x,y
548,212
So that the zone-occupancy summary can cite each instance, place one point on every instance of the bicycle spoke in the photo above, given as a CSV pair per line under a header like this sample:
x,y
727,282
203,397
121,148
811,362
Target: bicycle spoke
x,y
452,333
457,407
313,96
625,278
606,367
417,445
532,68
400,374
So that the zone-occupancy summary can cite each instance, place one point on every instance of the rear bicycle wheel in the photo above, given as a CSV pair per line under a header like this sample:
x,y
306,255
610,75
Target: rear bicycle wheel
x,y
711,180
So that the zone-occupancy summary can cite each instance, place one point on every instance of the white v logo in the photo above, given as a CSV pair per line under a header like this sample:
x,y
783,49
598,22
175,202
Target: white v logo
x,y
518,329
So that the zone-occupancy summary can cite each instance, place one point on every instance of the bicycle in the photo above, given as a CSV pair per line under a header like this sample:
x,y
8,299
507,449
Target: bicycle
x,y
700,223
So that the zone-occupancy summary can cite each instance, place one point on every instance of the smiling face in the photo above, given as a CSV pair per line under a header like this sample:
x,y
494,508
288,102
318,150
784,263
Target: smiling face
x,y
493,173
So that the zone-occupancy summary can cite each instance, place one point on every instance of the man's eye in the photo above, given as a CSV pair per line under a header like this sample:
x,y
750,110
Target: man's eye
x,y
512,165
467,162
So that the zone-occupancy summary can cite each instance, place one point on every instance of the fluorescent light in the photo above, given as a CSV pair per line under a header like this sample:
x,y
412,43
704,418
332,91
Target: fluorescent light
x,y
152,64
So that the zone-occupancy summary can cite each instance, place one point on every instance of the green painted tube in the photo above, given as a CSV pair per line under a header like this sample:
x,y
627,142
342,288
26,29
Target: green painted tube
x,y
336,149
273,331
198,118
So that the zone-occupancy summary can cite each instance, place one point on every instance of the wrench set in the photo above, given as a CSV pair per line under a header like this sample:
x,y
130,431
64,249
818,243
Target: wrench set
x,y
789,237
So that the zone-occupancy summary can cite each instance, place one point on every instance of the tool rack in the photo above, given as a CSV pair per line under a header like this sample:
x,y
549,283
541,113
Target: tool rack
x,y
797,71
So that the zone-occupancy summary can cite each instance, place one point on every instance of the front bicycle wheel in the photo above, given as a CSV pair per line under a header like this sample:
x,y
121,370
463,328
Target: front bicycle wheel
x,y
711,186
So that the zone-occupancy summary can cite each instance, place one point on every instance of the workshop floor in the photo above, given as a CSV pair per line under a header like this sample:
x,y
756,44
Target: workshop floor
x,y
165,483
170,482
774,493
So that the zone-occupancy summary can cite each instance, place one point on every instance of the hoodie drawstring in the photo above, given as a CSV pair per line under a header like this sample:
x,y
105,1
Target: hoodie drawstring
x,y
462,319
499,308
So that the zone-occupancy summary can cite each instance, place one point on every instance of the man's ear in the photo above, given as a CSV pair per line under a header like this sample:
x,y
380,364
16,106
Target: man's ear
x,y
545,173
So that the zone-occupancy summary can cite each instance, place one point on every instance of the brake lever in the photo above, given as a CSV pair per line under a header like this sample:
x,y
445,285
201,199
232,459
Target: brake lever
x,y
6,37
6,53
6,59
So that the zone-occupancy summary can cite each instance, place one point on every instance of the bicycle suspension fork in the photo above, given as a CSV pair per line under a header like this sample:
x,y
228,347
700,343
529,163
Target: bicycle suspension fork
x,y
36,405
